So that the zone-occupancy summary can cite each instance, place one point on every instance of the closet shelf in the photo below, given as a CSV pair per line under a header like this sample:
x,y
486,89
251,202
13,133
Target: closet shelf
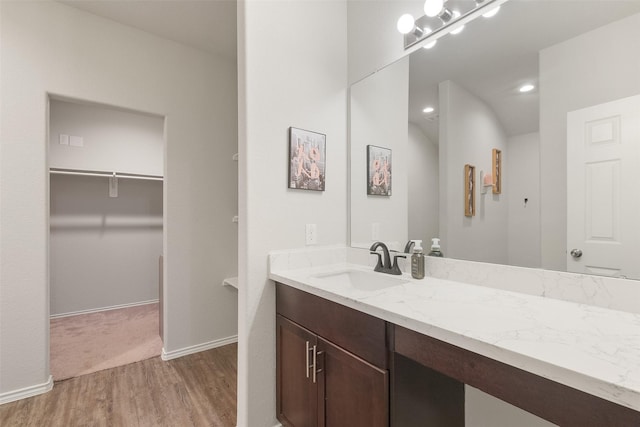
x,y
123,175
230,281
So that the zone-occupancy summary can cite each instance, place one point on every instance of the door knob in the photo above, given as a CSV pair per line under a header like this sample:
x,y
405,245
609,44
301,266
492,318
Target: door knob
x,y
576,253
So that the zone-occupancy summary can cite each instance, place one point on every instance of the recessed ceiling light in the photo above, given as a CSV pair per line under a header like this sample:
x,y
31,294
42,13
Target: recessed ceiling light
x,y
429,110
526,88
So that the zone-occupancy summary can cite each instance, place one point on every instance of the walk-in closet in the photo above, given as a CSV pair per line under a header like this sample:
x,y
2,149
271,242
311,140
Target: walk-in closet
x,y
106,236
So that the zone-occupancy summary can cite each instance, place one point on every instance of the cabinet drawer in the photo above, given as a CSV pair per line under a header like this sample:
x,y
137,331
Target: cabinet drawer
x,y
356,332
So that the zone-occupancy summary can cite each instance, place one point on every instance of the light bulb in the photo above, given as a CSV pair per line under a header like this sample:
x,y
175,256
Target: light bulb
x,y
456,15
492,12
526,88
406,23
433,7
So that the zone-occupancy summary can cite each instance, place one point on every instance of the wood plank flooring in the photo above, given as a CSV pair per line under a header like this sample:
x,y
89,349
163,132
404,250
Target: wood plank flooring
x,y
195,390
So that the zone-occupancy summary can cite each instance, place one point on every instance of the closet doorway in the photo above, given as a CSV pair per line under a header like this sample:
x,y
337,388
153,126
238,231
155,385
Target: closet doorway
x,y
106,236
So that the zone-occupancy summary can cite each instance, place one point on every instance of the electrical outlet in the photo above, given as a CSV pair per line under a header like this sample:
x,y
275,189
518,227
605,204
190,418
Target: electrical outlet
x,y
375,231
311,234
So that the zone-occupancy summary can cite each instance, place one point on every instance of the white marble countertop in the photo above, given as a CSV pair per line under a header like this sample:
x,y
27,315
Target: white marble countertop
x,y
589,348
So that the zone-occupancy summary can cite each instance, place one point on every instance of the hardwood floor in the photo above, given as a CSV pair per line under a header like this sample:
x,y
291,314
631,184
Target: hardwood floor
x,y
195,390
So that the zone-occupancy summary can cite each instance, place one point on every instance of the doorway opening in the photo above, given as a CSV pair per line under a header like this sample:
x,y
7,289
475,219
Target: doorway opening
x,y
105,236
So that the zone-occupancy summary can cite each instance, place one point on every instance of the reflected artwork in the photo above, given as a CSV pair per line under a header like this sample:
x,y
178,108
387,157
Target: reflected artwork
x,y
378,171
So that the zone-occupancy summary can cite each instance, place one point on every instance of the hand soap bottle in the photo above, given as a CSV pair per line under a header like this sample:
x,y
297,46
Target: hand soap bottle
x,y
435,248
417,261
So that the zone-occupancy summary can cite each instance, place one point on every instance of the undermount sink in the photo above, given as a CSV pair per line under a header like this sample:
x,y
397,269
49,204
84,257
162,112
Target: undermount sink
x,y
362,280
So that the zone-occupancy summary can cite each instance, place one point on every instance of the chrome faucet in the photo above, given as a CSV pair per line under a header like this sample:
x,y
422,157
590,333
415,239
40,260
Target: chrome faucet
x,y
386,266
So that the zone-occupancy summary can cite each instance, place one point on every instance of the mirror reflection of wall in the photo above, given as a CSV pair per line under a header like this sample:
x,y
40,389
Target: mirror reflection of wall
x,y
383,124
585,56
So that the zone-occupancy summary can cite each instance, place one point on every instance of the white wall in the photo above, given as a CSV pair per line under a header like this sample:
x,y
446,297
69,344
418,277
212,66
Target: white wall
x,y
48,47
596,67
379,116
523,170
103,251
292,72
424,187
115,140
482,237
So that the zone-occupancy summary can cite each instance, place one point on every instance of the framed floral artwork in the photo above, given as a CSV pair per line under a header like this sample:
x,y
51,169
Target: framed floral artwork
x,y
307,160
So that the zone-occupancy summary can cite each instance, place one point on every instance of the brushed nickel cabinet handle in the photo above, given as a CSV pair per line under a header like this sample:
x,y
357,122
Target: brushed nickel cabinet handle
x,y
315,359
315,367
307,366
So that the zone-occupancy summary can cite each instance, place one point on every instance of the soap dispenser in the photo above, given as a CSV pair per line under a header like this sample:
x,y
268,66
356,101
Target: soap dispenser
x,y
417,261
435,248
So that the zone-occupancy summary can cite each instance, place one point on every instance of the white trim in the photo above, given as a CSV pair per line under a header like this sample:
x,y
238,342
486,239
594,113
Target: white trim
x,y
197,348
97,310
23,393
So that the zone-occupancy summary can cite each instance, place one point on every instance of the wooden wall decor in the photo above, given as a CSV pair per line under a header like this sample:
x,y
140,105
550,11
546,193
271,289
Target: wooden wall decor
x,y
469,190
497,170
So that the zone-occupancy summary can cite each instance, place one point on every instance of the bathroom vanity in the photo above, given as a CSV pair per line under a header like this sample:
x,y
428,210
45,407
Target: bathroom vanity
x,y
400,351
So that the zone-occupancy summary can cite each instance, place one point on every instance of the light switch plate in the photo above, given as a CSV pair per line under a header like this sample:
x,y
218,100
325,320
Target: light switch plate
x,y
76,141
64,139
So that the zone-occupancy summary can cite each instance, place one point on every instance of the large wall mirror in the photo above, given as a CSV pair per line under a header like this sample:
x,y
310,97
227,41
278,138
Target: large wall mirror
x,y
569,147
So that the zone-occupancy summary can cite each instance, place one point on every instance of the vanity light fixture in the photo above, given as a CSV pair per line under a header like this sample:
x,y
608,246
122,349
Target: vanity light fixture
x,y
456,15
438,17
431,44
433,7
526,88
492,12
406,23
429,110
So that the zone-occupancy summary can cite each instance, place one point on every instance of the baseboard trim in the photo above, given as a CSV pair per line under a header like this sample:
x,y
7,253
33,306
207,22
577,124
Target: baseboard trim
x,y
98,310
197,348
23,393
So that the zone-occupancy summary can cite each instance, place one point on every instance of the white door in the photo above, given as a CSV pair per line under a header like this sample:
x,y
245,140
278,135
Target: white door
x,y
603,189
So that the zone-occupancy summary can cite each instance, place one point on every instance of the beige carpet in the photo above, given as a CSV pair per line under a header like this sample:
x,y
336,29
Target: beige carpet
x,y
92,342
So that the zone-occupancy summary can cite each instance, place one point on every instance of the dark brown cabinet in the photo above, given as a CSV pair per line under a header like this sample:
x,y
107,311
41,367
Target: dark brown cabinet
x,y
320,383
355,392
337,367
296,388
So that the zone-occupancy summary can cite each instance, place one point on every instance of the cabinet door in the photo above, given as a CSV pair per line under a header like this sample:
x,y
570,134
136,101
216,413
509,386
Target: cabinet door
x,y
297,395
356,393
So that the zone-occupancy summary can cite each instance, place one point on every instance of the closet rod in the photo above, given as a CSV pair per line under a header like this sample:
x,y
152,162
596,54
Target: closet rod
x,y
104,174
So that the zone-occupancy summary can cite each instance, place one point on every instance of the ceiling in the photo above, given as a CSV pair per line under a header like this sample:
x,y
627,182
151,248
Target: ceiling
x,y
207,25
492,57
